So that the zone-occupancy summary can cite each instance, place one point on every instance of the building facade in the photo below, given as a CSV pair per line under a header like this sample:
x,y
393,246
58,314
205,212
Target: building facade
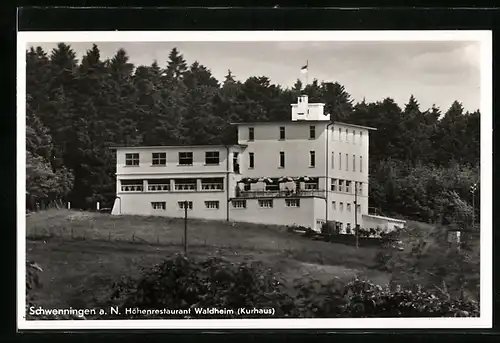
x,y
301,172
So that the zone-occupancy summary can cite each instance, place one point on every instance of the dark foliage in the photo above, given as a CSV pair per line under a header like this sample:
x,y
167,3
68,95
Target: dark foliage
x,y
185,283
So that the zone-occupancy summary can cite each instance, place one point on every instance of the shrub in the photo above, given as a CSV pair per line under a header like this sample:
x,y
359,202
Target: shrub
x,y
183,283
369,300
33,283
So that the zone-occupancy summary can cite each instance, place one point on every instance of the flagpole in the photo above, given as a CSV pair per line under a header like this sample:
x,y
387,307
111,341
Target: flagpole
x,y
307,73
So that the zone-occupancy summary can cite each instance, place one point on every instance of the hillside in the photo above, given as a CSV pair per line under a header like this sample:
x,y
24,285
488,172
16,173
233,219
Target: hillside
x,y
78,271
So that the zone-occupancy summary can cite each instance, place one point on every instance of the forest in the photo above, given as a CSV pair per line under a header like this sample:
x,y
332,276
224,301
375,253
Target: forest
x,y
423,162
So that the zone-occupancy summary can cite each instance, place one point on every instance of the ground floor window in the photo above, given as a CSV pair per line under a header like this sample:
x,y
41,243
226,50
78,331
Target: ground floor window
x,y
239,204
266,203
292,202
159,205
182,205
212,204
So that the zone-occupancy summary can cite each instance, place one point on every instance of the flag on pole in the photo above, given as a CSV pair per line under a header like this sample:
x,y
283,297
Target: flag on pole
x,y
303,70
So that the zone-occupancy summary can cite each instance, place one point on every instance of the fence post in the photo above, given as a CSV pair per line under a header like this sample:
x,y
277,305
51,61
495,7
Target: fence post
x,y
98,206
69,205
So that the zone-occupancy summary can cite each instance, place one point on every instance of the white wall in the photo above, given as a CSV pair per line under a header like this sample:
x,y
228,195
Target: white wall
x,y
304,215
140,204
296,145
172,166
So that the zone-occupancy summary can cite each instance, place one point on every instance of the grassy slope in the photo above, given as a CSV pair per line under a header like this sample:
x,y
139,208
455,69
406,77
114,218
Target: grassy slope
x,y
78,272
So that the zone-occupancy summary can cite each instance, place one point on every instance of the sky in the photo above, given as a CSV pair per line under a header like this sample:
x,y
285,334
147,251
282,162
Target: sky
x,y
435,72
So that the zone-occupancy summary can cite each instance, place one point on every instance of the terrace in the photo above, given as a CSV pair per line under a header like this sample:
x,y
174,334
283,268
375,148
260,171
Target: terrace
x,y
280,193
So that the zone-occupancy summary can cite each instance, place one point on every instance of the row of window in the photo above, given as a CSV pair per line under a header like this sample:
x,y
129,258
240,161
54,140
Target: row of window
x,y
266,203
343,136
184,158
338,164
348,207
339,185
167,185
162,205
213,204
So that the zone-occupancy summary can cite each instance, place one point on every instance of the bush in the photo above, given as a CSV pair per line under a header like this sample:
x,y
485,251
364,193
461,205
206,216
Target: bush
x,y
183,283
32,283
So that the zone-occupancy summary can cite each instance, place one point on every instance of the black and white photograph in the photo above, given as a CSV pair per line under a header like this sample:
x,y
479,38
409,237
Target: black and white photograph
x,y
331,179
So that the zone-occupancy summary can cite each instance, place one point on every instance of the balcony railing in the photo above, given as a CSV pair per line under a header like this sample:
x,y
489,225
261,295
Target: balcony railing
x,y
212,186
159,187
292,194
185,187
131,188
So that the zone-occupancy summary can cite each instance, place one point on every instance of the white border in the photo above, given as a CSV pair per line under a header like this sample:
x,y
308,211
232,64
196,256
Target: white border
x,y
486,289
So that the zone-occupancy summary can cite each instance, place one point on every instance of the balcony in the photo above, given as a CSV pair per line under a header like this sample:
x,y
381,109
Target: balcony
x,y
278,194
215,186
159,187
131,188
185,187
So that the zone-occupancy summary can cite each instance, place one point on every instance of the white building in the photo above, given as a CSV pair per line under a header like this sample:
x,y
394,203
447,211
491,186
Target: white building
x,y
305,172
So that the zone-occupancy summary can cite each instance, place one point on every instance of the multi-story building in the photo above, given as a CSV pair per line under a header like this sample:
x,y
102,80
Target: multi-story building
x,y
305,172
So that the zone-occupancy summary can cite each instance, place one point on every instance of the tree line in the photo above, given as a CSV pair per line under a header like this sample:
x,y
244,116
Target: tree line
x,y
422,161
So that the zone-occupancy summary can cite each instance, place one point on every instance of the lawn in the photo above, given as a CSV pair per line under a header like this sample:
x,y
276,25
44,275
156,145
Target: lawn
x,y
83,253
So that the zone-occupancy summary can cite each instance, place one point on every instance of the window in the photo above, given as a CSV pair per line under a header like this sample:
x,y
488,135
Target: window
x,y
132,159
239,203
185,184
360,137
282,159
333,186
346,135
347,162
341,206
348,186
251,133
266,203
353,137
251,160
360,188
282,132
348,228
333,160
131,185
341,226
358,208
341,185
311,184
340,134
212,157
212,205
334,205
162,205
292,202
158,185
353,163
312,158
361,164
340,161
182,205
312,132
212,184
348,207
185,158
159,158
